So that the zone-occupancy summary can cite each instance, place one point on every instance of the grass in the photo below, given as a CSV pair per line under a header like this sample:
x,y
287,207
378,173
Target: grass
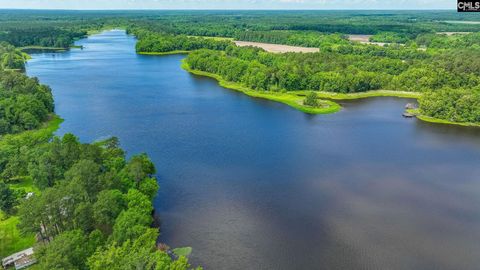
x,y
293,100
25,183
43,48
32,137
367,94
11,240
183,251
164,53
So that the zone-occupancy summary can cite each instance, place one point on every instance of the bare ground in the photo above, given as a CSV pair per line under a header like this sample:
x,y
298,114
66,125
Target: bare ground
x,y
365,39
453,33
276,48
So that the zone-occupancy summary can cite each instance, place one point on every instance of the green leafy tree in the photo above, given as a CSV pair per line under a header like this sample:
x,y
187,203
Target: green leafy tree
x,y
311,100
109,204
7,198
68,250
130,224
136,254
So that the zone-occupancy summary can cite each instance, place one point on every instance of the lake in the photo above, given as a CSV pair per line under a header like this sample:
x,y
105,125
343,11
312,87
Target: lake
x,y
255,184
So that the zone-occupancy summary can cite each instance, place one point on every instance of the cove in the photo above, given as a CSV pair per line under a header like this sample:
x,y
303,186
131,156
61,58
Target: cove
x,y
255,184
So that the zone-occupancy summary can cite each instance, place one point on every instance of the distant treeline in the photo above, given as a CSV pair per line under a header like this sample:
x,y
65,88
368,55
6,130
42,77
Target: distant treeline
x,y
22,35
157,42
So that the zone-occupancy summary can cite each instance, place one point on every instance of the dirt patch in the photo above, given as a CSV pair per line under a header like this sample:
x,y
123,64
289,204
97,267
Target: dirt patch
x,y
365,39
453,33
276,48
360,38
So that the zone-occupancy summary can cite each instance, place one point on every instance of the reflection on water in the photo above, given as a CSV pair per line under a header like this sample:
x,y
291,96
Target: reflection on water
x,y
254,184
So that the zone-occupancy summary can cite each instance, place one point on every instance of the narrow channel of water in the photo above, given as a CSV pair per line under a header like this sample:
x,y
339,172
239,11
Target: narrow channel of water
x,y
254,184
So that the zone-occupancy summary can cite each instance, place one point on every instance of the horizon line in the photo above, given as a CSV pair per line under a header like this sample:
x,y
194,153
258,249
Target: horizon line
x,y
227,9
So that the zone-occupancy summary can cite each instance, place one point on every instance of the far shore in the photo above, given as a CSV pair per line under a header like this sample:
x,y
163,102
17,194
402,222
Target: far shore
x,y
295,100
164,53
288,98
430,119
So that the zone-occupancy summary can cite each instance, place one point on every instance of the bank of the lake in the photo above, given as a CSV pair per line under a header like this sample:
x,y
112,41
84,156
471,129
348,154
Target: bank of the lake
x,y
164,53
418,114
43,48
293,100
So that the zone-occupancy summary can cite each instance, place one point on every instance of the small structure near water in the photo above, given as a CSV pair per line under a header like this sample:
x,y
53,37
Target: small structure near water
x,y
408,115
410,106
19,260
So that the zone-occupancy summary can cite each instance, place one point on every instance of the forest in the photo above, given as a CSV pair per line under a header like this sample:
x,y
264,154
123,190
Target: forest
x,y
91,206
24,102
353,68
81,205
344,69
150,42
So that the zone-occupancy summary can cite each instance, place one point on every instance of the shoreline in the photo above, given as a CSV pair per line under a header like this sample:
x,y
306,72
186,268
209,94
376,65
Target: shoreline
x,y
43,132
164,53
367,94
291,100
434,120
294,100
55,49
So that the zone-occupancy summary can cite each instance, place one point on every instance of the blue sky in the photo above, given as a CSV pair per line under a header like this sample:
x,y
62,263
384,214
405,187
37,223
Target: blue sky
x,y
229,4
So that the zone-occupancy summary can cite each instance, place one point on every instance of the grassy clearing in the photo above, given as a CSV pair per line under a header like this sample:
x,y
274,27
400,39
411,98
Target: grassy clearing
x,y
26,48
32,137
182,251
11,240
290,99
26,183
367,94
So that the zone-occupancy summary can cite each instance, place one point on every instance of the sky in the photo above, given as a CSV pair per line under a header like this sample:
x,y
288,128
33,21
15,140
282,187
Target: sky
x,y
228,4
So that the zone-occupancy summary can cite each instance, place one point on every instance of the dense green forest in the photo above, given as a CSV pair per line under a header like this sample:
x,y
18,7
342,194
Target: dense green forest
x,y
41,36
82,206
92,207
24,102
344,69
160,43
456,105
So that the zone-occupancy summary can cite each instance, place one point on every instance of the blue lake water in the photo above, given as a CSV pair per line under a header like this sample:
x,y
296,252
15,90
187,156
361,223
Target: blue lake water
x,y
254,184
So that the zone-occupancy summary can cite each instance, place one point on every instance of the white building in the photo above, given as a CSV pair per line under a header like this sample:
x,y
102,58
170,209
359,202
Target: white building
x,y
19,260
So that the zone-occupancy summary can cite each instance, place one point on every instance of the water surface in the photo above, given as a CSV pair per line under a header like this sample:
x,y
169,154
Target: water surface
x,y
254,184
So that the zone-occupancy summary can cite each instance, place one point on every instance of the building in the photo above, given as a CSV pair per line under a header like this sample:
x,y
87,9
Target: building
x,y
19,260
